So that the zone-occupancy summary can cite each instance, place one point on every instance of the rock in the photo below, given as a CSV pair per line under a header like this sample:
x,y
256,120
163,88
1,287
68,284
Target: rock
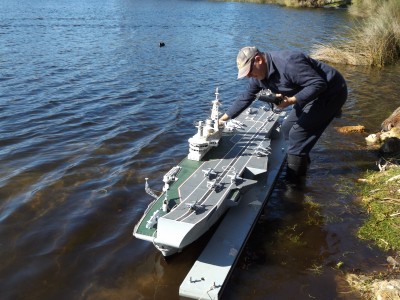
x,y
389,137
372,139
383,135
392,121
394,263
373,288
386,290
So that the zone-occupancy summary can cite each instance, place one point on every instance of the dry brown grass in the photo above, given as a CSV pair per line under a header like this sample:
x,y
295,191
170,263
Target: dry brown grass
x,y
374,41
295,3
365,8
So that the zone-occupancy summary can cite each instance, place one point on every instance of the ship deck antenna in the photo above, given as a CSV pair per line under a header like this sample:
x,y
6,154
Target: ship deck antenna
x,y
215,108
149,190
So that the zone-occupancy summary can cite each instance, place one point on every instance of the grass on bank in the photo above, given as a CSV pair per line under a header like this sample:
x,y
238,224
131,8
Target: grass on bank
x,y
381,199
365,8
297,3
374,40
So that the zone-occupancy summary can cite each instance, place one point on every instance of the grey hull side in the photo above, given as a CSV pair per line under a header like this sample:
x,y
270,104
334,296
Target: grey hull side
x,y
211,271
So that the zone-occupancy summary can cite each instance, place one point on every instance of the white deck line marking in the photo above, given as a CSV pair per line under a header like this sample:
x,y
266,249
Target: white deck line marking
x,y
232,163
179,188
220,160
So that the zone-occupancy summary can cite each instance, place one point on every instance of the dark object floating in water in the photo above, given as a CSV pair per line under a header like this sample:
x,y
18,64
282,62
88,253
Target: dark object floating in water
x,y
162,44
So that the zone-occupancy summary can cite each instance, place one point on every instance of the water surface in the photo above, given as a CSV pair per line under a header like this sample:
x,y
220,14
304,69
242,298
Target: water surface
x,y
91,105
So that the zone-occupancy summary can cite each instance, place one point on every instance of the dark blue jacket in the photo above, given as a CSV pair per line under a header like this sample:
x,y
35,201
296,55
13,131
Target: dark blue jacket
x,y
291,73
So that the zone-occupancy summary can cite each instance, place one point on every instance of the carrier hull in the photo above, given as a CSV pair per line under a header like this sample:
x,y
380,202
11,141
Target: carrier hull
x,y
204,190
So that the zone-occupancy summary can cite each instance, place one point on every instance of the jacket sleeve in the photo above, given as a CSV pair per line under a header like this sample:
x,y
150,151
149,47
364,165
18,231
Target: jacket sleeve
x,y
300,71
244,100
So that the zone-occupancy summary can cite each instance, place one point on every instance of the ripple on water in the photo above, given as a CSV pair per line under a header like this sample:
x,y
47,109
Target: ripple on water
x,y
90,105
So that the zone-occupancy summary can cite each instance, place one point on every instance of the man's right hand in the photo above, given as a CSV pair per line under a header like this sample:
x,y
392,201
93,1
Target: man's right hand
x,y
287,101
223,119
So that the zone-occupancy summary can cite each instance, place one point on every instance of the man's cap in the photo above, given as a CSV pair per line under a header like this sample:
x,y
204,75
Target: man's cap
x,y
243,60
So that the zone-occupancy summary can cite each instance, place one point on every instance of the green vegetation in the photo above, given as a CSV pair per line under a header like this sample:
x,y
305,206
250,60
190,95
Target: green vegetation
x,y
381,199
374,41
291,236
380,195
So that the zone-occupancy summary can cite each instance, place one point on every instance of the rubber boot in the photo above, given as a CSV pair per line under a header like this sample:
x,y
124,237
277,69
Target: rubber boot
x,y
296,166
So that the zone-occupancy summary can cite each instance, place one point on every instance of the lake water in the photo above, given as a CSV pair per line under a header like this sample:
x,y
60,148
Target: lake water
x,y
91,105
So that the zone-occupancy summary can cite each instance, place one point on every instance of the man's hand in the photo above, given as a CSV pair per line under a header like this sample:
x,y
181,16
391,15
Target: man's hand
x,y
223,119
286,101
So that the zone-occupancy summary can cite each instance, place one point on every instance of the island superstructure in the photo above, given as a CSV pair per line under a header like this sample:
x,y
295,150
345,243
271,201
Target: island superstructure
x,y
223,162
207,135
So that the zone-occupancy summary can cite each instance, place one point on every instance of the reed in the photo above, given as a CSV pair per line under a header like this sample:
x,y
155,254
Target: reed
x,y
374,41
364,8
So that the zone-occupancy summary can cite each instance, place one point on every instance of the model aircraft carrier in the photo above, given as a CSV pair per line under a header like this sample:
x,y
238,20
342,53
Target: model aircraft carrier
x,y
197,193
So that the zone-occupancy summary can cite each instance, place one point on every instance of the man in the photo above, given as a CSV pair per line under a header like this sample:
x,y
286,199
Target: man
x,y
316,91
